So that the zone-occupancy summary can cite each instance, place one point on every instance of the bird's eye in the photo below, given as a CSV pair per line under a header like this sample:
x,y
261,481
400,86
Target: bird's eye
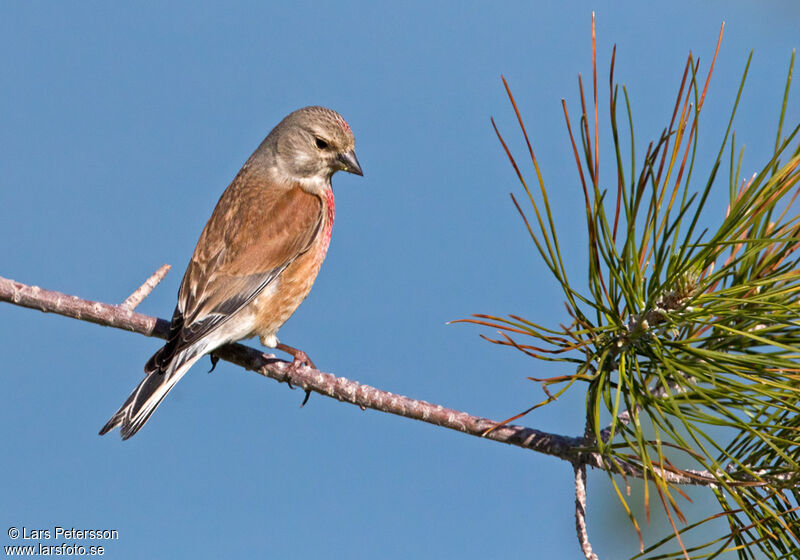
x,y
321,144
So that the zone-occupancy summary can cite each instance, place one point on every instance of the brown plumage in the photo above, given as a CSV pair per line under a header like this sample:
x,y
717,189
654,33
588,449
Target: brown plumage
x,y
258,255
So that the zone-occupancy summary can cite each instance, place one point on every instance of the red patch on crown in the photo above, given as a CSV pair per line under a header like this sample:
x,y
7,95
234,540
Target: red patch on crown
x,y
344,124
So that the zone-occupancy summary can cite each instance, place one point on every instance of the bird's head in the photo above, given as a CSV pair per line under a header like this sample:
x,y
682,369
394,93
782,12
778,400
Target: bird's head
x,y
313,143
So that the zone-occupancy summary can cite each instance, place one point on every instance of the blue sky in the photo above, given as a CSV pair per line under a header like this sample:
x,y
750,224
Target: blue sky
x,y
120,126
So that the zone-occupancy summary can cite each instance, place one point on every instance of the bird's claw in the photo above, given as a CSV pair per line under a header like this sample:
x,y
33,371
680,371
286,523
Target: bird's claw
x,y
214,360
300,360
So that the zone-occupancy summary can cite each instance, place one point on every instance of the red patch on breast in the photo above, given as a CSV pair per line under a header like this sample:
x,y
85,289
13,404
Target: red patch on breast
x,y
331,205
329,200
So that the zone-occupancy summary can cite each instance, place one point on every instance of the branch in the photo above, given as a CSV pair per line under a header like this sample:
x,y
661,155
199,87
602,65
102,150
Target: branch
x,y
580,512
364,396
572,449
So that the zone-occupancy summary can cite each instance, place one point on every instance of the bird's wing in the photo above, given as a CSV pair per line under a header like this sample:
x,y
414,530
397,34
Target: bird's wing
x,y
251,237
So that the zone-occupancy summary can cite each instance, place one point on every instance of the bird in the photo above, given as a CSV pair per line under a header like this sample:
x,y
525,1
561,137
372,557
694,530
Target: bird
x,y
257,256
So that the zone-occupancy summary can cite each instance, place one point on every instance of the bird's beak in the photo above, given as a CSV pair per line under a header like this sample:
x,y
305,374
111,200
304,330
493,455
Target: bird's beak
x,y
350,163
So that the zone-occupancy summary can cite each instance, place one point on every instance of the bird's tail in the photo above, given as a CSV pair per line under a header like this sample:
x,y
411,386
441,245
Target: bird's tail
x,y
135,412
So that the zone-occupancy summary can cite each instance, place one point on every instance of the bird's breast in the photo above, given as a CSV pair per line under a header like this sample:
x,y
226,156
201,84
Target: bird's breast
x,y
274,306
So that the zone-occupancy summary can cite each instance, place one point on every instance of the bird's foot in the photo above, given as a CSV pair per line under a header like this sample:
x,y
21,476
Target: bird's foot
x,y
300,359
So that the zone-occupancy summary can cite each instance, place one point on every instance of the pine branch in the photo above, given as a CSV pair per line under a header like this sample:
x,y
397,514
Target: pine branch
x,y
685,334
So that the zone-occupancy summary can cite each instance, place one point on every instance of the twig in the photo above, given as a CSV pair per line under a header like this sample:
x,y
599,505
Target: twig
x,y
623,418
144,290
580,512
